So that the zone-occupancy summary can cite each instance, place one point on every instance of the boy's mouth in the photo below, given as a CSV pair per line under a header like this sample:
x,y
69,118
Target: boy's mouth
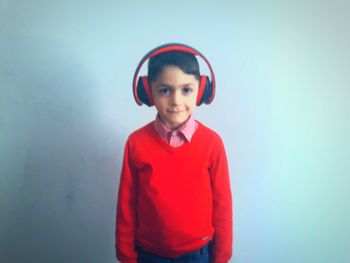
x,y
176,111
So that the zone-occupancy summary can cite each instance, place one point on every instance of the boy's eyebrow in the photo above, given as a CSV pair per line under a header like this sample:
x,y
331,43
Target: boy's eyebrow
x,y
161,84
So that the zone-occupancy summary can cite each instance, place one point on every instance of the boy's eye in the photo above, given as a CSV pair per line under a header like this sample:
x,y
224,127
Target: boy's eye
x,y
164,91
187,90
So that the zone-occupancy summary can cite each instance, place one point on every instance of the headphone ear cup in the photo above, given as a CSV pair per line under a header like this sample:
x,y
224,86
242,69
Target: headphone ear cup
x,y
144,91
205,90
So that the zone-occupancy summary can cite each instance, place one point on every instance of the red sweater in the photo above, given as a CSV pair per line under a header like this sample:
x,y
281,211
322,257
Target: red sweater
x,y
174,200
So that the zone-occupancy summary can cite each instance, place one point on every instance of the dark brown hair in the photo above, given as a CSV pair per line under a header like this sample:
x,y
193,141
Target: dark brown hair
x,y
187,62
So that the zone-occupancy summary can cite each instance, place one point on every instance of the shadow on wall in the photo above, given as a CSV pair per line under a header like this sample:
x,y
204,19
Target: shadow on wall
x,y
65,157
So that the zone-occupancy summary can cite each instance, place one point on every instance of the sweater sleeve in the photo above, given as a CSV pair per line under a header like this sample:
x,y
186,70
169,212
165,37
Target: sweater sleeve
x,y
126,211
222,207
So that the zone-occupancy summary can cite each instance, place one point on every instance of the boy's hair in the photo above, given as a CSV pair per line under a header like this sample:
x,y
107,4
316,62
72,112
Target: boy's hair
x,y
187,62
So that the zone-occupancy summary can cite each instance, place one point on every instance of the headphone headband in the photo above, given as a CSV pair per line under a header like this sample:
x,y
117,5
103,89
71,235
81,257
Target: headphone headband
x,y
166,48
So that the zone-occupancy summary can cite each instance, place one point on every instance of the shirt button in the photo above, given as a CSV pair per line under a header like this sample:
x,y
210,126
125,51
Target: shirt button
x,y
174,133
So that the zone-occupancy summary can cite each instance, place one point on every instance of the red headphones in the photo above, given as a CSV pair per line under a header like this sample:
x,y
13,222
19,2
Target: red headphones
x,y
142,88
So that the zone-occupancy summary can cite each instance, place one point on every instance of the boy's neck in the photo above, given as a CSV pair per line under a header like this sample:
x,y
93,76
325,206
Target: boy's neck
x,y
173,128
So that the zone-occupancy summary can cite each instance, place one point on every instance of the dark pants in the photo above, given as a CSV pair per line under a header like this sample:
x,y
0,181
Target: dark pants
x,y
201,255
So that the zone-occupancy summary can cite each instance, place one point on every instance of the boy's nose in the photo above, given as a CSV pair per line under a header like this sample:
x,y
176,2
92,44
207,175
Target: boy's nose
x,y
176,98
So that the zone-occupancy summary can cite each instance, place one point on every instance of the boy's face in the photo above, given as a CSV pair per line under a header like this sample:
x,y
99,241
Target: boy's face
x,y
174,93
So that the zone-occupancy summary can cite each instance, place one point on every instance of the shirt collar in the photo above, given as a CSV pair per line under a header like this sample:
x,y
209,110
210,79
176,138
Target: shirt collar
x,y
187,129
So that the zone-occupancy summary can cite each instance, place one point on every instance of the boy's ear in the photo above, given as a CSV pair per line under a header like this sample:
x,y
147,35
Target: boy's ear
x,y
144,92
205,90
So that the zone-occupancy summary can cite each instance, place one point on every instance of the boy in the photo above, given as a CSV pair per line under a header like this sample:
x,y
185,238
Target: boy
x,y
174,198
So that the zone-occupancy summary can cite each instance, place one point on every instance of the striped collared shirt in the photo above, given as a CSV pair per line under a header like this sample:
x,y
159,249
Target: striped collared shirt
x,y
178,137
